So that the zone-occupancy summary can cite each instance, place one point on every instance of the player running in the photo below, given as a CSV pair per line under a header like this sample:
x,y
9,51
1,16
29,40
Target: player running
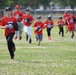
x,y
71,24
38,30
7,23
49,24
19,16
60,25
27,21
65,17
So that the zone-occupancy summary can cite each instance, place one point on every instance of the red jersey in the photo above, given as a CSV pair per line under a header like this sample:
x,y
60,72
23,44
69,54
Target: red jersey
x,y
6,21
49,24
60,22
65,16
18,15
71,22
30,17
38,24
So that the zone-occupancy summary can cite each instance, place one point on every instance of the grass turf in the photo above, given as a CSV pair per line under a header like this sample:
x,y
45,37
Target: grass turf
x,y
55,57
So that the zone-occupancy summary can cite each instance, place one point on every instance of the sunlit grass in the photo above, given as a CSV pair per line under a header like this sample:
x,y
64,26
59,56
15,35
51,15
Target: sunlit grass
x,y
54,57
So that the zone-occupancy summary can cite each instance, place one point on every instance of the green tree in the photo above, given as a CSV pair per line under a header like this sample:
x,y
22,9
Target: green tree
x,y
64,3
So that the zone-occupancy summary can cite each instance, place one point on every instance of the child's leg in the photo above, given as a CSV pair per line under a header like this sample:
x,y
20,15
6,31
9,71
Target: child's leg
x,y
40,39
62,32
59,30
49,33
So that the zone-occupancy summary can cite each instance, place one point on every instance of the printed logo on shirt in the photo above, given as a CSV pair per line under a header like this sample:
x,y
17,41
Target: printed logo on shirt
x,y
71,20
17,16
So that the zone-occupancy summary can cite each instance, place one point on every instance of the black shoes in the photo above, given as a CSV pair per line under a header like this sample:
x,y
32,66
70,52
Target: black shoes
x,y
30,41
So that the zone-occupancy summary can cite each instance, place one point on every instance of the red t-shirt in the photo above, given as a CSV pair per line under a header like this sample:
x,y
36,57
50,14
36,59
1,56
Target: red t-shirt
x,y
49,23
18,15
38,24
70,22
30,17
66,16
60,22
5,21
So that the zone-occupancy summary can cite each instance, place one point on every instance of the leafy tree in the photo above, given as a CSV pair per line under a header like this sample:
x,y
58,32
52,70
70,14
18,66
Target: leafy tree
x,y
64,3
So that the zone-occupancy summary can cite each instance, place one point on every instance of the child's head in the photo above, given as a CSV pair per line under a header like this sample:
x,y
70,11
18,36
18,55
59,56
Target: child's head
x,y
49,17
39,18
60,18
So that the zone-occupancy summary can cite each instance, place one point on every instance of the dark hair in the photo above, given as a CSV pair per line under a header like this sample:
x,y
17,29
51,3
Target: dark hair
x,y
60,17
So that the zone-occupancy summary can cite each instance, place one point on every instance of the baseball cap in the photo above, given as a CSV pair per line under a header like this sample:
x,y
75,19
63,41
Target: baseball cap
x,y
49,17
8,9
17,6
27,9
38,17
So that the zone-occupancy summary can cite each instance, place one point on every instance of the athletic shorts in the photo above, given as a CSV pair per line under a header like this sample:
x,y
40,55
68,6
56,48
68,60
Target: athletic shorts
x,y
71,28
39,37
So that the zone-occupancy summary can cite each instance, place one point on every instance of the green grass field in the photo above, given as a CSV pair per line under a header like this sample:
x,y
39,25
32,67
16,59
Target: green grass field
x,y
55,57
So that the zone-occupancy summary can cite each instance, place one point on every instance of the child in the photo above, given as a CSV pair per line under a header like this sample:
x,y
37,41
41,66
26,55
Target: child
x,y
60,25
18,14
38,30
27,21
71,24
7,24
65,17
49,25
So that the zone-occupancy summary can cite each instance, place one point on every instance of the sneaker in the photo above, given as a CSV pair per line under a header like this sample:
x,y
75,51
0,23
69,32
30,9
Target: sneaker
x,y
20,37
72,36
13,48
62,35
59,33
12,58
38,44
30,41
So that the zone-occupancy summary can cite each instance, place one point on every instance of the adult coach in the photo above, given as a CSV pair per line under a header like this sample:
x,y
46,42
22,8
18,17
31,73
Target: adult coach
x,y
19,16
27,21
7,23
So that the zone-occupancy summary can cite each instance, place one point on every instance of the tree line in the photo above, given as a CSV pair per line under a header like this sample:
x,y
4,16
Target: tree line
x,y
36,3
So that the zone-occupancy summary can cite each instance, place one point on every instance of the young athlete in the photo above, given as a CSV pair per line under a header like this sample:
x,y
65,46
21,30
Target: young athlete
x,y
60,25
38,30
71,24
19,16
7,23
65,16
49,24
27,21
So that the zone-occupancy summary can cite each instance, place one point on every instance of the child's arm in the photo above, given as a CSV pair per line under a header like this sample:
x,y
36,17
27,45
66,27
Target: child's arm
x,y
3,27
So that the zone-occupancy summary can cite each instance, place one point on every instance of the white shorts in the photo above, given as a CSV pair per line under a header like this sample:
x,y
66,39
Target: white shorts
x,y
28,30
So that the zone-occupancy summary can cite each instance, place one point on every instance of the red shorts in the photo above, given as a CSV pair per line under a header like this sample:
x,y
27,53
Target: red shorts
x,y
70,28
